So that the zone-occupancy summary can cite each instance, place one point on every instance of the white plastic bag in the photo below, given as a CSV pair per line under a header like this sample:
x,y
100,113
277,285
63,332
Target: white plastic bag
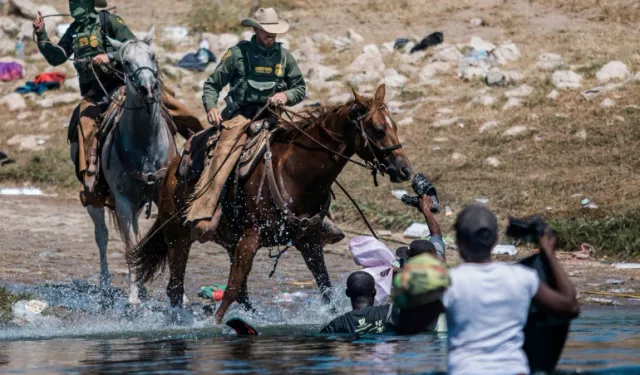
x,y
377,260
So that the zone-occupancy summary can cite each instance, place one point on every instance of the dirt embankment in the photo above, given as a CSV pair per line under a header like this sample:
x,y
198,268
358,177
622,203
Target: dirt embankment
x,y
526,146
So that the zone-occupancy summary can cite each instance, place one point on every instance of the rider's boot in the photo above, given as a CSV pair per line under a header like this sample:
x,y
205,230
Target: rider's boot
x,y
92,194
203,212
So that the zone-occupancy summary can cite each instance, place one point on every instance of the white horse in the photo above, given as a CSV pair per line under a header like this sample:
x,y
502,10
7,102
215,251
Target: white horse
x,y
134,156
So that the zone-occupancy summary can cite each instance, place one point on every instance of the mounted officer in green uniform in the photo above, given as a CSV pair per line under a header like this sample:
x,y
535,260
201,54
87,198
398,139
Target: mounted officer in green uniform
x,y
259,71
97,62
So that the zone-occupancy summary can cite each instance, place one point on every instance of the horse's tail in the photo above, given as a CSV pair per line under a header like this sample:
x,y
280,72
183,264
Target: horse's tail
x,y
150,256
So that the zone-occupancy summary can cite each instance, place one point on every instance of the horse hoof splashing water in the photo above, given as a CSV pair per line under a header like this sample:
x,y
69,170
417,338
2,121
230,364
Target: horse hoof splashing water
x,y
295,168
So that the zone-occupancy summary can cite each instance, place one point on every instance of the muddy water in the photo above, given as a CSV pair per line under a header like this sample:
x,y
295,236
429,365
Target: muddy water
x,y
602,341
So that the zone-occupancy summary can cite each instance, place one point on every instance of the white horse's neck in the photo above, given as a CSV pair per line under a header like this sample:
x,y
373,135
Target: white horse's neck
x,y
143,133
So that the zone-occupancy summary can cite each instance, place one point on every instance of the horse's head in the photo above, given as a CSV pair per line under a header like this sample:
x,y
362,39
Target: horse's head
x,y
376,136
140,66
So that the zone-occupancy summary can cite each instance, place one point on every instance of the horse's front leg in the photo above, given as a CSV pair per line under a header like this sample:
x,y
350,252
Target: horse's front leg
x,y
101,233
241,264
313,255
127,222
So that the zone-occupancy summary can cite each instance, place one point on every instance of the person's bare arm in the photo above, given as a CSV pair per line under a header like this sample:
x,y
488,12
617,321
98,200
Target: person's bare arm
x,y
563,300
424,206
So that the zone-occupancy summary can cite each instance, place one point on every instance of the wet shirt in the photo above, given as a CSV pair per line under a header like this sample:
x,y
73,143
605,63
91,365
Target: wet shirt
x,y
371,319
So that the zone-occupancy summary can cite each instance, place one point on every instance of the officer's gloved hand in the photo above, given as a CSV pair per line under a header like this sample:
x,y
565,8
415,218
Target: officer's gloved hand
x,y
214,118
278,99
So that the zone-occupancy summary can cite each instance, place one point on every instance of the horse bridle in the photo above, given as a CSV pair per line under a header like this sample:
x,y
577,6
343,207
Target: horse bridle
x,y
133,78
376,165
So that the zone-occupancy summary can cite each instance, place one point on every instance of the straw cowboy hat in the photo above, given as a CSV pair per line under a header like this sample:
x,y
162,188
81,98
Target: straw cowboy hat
x,y
267,20
100,3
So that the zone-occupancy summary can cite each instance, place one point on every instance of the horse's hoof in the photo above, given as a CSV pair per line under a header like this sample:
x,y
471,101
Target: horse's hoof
x,y
134,300
105,283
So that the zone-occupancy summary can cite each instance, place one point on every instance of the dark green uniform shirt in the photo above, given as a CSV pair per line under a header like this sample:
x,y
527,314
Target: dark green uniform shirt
x,y
84,41
255,73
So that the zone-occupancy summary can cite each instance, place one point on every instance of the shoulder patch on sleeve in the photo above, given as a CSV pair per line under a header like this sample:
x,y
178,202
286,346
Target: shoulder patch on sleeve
x,y
120,20
226,55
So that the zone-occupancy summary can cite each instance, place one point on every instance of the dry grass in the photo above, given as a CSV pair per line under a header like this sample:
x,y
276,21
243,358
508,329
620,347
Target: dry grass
x,y
219,16
620,11
6,300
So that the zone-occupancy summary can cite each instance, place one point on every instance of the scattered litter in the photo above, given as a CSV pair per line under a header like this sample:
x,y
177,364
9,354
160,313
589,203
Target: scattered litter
x,y
482,200
43,82
21,191
477,22
417,230
398,193
5,160
504,249
587,203
215,292
604,301
615,281
627,266
385,233
19,49
175,34
400,43
431,40
436,148
198,61
447,211
10,71
475,64
593,92
586,251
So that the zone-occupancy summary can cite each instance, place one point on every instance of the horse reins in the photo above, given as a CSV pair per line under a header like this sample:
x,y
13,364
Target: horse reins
x,y
204,190
373,167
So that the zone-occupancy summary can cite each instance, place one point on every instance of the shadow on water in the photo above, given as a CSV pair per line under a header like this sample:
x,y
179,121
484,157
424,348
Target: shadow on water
x,y
93,340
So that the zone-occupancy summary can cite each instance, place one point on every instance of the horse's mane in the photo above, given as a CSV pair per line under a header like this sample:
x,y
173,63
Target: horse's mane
x,y
318,116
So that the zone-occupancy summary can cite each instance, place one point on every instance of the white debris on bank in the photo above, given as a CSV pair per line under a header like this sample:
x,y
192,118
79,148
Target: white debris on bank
x,y
21,191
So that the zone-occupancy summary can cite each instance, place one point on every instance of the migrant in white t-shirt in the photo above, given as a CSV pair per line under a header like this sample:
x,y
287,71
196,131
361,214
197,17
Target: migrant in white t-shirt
x,y
487,307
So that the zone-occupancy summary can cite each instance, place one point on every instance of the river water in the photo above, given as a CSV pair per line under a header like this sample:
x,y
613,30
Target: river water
x,y
604,340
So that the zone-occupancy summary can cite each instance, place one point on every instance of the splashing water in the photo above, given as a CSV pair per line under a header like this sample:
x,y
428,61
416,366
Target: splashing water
x,y
99,332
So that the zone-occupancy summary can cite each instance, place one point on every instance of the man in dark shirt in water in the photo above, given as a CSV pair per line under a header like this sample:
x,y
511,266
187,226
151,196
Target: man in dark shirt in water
x,y
364,318
416,295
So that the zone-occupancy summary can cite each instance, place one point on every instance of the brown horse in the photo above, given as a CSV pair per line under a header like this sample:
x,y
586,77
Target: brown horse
x,y
303,174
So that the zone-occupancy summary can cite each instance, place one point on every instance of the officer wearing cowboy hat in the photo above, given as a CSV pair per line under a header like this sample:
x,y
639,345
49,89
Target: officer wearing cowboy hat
x,y
258,71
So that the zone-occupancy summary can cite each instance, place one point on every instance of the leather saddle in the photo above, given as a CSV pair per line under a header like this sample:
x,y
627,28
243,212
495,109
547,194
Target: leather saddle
x,y
202,146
